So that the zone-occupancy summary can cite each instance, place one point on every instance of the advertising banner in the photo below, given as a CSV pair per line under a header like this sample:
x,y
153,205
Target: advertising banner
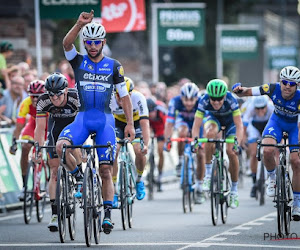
x,y
123,15
60,9
281,56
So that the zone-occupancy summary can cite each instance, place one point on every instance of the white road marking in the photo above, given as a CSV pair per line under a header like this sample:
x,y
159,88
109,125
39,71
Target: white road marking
x,y
239,227
9,217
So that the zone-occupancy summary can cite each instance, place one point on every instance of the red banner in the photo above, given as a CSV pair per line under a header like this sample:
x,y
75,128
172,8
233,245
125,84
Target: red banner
x,y
123,15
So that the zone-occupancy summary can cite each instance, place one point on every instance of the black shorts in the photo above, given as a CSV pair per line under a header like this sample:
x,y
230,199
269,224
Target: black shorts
x,y
120,129
54,129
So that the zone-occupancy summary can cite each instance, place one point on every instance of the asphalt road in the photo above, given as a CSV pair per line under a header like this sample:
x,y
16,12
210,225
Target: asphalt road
x,y
161,224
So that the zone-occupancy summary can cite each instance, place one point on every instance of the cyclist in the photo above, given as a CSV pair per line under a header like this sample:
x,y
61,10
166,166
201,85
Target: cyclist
x,y
62,105
157,119
181,112
255,119
95,76
221,109
26,129
285,118
142,130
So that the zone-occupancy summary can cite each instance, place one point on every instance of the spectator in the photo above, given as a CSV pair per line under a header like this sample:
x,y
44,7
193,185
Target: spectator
x,y
28,78
66,69
6,51
11,100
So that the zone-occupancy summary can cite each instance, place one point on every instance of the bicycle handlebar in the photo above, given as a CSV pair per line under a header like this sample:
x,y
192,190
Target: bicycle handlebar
x,y
205,140
278,145
187,139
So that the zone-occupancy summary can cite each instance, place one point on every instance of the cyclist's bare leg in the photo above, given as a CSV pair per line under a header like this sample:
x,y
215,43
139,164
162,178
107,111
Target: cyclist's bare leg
x,y
295,162
140,160
24,157
183,131
211,131
53,164
269,154
107,183
233,162
70,159
200,164
253,159
160,150
115,167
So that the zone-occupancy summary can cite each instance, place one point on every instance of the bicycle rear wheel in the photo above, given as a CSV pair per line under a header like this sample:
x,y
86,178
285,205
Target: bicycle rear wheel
x,y
215,192
87,197
225,187
71,207
98,207
151,177
280,201
123,195
185,186
41,203
60,199
28,193
191,181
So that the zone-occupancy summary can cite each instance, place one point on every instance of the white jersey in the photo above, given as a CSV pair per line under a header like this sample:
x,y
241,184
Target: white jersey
x,y
139,106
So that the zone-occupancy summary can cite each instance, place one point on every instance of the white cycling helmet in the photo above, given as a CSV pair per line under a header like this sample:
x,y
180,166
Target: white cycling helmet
x,y
260,101
93,31
189,90
290,73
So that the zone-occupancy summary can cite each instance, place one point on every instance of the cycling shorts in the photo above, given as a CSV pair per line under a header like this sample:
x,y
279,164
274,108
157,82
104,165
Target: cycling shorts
x,y
93,121
120,126
230,129
276,126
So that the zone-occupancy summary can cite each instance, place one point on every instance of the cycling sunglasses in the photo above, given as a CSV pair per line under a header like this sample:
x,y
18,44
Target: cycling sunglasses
x,y
216,98
34,95
96,42
260,108
286,82
58,93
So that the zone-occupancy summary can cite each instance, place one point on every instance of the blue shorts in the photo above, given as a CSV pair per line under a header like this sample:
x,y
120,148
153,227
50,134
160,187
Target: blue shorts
x,y
276,126
93,121
230,129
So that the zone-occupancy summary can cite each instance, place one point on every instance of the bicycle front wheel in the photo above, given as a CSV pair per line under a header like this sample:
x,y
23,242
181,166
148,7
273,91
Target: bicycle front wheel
x,y
123,195
87,197
60,199
28,193
225,187
280,200
215,192
185,186
131,188
43,185
288,204
98,210
151,177
261,185
71,207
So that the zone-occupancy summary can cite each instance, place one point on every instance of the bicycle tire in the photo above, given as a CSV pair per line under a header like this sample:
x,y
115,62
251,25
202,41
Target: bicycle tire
x,y
191,181
60,200
280,201
98,210
28,193
215,192
151,176
130,201
71,208
185,186
261,185
123,195
288,209
87,196
43,185
241,169
225,194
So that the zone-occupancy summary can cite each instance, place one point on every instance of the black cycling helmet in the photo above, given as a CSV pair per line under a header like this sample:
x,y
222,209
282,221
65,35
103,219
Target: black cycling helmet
x,y
56,82
151,105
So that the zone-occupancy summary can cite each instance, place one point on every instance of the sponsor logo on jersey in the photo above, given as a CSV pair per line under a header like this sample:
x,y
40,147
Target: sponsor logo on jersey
x,y
266,88
95,77
104,69
94,87
90,67
121,71
299,107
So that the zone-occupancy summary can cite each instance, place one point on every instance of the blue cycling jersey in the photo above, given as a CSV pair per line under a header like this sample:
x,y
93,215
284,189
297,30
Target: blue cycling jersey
x,y
177,110
288,110
95,81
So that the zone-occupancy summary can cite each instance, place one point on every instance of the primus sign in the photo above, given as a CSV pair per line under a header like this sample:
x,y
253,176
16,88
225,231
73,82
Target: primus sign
x,y
179,26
